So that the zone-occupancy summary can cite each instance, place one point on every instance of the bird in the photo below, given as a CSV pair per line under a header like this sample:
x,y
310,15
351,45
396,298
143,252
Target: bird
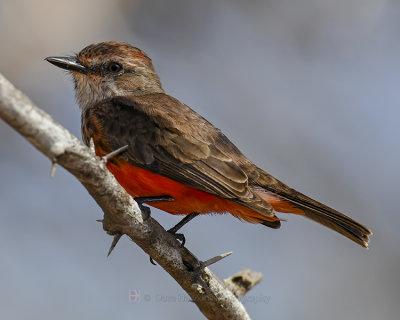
x,y
173,158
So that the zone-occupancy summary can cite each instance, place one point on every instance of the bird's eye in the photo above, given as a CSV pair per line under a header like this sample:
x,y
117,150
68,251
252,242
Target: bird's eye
x,y
114,67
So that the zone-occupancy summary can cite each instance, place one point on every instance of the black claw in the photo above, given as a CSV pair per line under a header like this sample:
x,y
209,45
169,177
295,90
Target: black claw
x,y
152,261
178,236
146,212
180,224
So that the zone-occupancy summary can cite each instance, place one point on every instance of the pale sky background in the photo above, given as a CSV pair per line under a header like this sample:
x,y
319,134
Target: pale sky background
x,y
307,89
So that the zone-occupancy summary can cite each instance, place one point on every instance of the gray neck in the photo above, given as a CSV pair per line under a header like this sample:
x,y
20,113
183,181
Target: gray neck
x,y
88,93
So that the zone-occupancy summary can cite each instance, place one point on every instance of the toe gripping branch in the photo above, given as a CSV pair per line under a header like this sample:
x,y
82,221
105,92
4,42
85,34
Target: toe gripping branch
x,y
179,236
146,212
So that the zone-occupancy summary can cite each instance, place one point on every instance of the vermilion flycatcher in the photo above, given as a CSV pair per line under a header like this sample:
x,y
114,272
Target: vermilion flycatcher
x,y
174,151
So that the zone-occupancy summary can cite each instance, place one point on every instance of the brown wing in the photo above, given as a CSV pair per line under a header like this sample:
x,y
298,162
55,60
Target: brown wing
x,y
168,138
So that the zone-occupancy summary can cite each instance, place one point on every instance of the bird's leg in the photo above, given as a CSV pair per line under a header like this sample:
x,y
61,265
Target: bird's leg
x,y
180,224
145,212
174,229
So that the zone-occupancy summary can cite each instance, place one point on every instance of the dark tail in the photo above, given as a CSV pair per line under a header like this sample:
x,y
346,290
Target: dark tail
x,y
342,224
285,199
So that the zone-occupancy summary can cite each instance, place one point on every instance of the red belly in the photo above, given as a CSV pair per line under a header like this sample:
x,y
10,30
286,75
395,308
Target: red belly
x,y
142,183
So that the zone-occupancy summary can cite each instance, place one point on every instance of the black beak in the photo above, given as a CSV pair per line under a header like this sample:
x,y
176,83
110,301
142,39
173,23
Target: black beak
x,y
67,63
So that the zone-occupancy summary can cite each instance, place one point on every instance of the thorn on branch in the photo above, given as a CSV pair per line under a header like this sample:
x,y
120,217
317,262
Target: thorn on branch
x,y
114,243
198,271
91,146
53,168
216,259
114,153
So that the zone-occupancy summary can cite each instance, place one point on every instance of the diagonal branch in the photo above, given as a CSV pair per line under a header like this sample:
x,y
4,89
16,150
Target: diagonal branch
x,y
121,213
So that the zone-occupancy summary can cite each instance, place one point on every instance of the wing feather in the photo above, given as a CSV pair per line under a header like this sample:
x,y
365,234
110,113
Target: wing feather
x,y
168,138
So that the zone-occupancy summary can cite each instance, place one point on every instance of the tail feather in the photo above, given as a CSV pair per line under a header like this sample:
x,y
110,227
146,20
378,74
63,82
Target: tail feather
x,y
285,199
342,224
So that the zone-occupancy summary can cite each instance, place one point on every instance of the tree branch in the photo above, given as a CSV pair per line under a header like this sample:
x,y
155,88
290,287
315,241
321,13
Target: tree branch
x,y
121,212
243,282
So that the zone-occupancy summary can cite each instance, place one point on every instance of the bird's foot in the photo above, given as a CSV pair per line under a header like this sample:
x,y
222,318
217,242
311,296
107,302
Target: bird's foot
x,y
180,236
146,212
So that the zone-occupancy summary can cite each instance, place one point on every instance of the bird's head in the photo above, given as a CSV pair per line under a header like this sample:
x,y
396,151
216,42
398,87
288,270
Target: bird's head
x,y
109,69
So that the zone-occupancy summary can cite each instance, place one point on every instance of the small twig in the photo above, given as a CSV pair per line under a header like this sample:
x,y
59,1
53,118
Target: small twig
x,y
243,281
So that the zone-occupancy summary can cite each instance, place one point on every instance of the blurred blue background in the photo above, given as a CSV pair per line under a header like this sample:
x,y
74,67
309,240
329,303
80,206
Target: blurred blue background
x,y
307,89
